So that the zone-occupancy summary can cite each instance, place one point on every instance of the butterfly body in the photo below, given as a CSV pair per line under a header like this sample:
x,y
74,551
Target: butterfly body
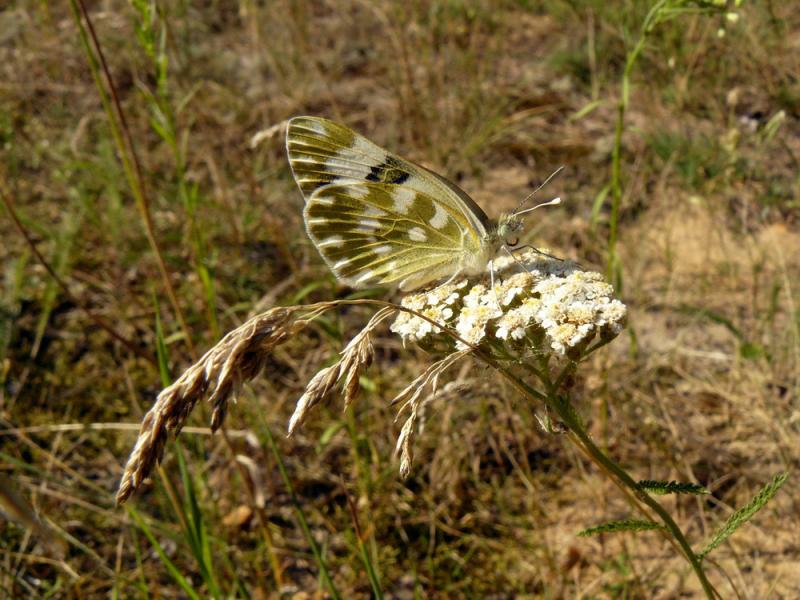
x,y
379,219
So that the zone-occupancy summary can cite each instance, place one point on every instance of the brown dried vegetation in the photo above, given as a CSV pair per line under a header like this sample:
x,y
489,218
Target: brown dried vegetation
x,y
495,95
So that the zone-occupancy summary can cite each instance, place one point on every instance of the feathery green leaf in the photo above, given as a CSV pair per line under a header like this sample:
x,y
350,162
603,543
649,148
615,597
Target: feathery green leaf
x,y
744,514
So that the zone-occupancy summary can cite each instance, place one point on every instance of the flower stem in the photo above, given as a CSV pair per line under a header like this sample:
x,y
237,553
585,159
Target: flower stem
x,y
622,477
581,438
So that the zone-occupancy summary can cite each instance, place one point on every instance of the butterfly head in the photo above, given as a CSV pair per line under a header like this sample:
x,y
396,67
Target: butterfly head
x,y
508,230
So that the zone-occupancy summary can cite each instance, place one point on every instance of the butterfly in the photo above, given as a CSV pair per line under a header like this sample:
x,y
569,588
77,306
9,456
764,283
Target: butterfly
x,y
379,219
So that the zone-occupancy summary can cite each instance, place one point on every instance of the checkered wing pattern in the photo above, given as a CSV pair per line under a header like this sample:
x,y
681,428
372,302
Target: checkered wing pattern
x,y
376,218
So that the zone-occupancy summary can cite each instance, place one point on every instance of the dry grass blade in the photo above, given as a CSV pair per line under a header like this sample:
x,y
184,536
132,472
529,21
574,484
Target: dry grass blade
x,y
217,376
317,390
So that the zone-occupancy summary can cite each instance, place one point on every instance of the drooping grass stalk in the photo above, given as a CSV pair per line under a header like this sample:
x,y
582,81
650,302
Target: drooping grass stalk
x,y
126,150
187,510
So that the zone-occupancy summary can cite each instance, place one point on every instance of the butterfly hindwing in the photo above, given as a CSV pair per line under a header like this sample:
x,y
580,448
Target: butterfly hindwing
x,y
380,233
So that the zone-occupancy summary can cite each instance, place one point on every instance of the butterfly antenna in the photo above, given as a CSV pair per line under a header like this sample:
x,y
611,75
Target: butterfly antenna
x,y
544,183
552,202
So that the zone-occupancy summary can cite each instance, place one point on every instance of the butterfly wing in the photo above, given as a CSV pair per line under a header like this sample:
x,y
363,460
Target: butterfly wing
x,y
427,228
323,152
378,233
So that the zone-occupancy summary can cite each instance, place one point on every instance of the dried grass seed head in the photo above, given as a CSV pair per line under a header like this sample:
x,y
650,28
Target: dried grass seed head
x,y
355,359
218,376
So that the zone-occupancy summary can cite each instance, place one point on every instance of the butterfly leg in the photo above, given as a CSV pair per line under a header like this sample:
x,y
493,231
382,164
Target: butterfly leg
x,y
491,284
451,278
448,281
518,261
537,251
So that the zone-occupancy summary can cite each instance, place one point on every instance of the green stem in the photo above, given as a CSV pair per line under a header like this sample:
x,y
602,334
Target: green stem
x,y
622,476
127,152
582,439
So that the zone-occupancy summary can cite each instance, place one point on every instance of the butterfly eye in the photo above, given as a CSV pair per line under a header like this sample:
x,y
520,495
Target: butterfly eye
x,y
512,242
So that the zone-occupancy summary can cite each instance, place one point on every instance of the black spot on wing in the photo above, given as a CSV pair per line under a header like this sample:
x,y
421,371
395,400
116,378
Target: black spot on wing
x,y
399,177
389,171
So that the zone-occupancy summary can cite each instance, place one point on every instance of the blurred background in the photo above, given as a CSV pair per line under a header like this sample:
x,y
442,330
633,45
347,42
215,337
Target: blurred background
x,y
163,227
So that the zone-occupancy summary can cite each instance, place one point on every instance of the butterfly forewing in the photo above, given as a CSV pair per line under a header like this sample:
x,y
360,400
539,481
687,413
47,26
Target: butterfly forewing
x,y
375,217
323,152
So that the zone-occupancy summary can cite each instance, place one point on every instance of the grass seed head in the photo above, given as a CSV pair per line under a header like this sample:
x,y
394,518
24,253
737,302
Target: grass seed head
x,y
217,376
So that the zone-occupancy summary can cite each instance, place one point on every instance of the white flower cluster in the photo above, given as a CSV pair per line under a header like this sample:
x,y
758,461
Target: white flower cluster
x,y
533,296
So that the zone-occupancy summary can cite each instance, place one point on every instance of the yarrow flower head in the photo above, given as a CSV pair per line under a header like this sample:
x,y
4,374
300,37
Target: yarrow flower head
x,y
536,301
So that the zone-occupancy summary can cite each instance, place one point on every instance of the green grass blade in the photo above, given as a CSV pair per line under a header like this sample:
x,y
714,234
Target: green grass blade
x,y
301,517
10,304
618,526
172,568
196,534
162,354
